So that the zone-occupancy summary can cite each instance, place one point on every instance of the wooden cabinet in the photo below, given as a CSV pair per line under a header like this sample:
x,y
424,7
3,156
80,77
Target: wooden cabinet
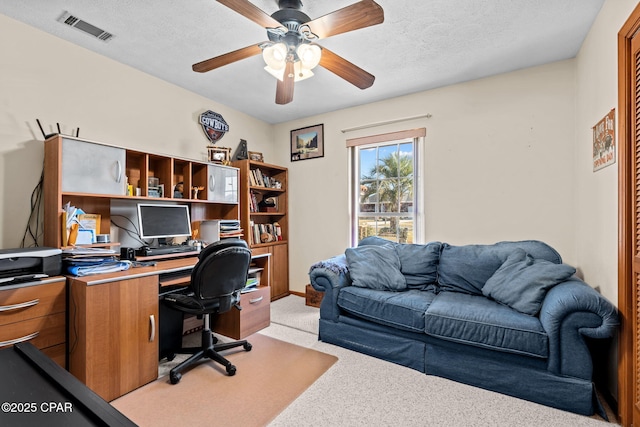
x,y
35,312
92,168
113,334
266,227
90,175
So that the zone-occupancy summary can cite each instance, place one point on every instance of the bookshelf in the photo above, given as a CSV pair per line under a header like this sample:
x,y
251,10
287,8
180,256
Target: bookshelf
x,y
264,217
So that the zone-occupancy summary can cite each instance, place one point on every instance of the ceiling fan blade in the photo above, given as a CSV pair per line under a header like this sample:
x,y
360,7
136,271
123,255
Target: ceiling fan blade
x,y
345,69
284,89
227,58
359,15
250,11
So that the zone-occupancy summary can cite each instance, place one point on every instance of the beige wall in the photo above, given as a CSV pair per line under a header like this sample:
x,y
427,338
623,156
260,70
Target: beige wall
x,y
44,77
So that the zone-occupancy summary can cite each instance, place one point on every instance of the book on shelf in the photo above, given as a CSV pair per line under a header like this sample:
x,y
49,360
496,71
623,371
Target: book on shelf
x,y
253,202
260,179
266,233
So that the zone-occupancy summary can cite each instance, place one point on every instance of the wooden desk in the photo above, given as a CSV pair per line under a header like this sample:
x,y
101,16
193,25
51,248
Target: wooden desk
x,y
113,324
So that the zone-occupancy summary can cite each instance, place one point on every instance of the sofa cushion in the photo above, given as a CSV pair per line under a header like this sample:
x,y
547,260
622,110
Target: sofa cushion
x,y
522,282
419,264
375,267
402,310
479,321
467,268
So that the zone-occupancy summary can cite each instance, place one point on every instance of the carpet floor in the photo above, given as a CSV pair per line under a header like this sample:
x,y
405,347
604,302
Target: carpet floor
x,y
364,391
269,377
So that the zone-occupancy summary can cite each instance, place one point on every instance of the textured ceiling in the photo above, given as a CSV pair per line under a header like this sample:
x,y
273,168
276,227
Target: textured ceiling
x,y
422,44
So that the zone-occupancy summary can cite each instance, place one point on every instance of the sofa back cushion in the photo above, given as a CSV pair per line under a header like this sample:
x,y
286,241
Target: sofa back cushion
x,y
418,263
467,268
375,267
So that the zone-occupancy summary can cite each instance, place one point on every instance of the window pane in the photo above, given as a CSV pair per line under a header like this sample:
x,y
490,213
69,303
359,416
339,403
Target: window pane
x,y
391,228
386,161
367,163
405,230
406,160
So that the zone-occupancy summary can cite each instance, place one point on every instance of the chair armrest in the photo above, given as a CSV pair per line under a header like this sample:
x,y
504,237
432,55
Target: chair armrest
x,y
329,276
571,311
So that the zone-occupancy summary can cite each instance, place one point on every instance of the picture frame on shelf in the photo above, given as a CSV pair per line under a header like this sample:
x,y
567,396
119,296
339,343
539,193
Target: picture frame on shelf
x,y
221,155
256,156
307,143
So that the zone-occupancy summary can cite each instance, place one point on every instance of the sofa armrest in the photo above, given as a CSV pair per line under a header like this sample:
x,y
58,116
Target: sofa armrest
x,y
571,311
329,276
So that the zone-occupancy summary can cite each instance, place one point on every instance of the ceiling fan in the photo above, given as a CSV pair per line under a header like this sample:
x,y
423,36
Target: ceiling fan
x,y
291,52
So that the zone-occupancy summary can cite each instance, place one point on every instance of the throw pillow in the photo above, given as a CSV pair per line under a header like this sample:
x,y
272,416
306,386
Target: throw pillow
x,y
375,267
522,281
419,264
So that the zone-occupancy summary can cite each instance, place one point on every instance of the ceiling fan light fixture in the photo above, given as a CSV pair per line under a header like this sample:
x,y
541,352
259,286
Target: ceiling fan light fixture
x,y
309,55
275,56
299,72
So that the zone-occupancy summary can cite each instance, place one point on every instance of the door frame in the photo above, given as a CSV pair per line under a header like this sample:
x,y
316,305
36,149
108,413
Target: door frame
x,y
626,201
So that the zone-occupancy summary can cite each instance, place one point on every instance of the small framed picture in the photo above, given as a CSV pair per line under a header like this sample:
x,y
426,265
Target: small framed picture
x,y
220,155
256,156
307,143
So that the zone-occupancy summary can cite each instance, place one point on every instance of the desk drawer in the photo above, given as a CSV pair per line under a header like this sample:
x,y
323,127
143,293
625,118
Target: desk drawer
x,y
255,315
45,331
31,302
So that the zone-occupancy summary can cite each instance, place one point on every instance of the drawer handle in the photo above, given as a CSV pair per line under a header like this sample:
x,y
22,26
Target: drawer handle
x,y
19,306
17,340
255,300
152,320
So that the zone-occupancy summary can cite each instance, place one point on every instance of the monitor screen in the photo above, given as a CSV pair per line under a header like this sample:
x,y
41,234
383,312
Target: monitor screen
x,y
161,221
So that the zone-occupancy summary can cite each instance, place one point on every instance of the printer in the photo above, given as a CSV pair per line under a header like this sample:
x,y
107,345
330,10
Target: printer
x,y
24,264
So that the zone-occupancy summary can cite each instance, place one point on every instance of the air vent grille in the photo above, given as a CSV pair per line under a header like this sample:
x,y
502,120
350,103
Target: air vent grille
x,y
84,26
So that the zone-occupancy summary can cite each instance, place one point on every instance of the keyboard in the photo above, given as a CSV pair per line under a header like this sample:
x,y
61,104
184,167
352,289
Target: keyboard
x,y
169,249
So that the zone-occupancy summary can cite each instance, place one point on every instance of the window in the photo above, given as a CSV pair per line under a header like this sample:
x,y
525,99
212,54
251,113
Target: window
x,y
384,194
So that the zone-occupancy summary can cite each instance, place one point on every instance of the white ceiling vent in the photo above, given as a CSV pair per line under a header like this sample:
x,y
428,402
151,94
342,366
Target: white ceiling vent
x,y
84,26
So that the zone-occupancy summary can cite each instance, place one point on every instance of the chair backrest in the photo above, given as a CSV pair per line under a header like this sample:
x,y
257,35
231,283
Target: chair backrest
x,y
221,272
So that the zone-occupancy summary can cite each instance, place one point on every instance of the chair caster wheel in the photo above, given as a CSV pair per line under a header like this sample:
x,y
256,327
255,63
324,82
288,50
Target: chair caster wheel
x,y
231,370
248,346
170,357
175,378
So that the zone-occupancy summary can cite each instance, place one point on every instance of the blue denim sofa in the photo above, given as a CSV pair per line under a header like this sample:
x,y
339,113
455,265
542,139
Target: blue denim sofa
x,y
441,323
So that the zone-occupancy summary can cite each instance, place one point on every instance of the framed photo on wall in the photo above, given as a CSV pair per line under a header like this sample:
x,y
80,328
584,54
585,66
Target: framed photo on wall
x,y
307,143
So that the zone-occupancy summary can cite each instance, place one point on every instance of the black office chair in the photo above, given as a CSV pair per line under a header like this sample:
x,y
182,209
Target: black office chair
x,y
216,281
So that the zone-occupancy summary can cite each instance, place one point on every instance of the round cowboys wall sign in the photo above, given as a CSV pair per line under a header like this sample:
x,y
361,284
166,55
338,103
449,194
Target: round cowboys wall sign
x,y
213,125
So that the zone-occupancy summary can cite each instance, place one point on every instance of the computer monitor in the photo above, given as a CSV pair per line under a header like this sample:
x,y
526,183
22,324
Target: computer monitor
x,y
159,221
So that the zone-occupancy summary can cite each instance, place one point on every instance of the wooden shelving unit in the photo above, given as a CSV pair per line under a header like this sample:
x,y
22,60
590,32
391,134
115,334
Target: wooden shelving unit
x,y
90,175
252,192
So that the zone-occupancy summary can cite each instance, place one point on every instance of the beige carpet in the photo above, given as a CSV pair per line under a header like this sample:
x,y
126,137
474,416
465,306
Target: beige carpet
x,y
269,377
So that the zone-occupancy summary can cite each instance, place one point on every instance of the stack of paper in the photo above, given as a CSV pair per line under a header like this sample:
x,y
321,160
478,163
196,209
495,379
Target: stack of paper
x,y
87,261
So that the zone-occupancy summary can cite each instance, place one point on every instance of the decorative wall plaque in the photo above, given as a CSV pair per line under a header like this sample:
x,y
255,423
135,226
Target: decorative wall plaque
x,y
213,125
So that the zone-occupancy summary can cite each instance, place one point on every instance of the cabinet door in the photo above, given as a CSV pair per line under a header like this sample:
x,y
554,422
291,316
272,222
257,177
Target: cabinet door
x,y
222,184
113,335
92,168
279,271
